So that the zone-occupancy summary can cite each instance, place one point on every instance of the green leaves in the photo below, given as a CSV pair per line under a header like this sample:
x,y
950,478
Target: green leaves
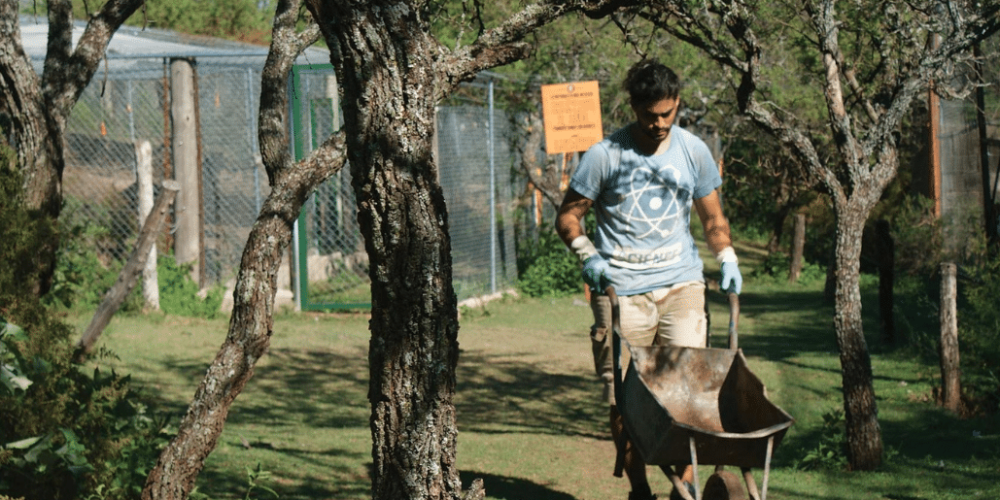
x,y
11,372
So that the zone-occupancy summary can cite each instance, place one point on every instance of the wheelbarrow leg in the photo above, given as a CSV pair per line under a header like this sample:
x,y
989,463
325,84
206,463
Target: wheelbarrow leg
x,y
751,484
679,486
674,473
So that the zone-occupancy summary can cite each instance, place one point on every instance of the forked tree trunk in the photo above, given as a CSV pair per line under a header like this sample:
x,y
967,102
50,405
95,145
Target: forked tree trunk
x,y
402,213
252,320
34,110
864,437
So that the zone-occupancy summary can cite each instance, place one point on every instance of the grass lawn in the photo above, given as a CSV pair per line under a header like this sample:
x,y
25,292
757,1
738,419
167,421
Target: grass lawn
x,y
529,412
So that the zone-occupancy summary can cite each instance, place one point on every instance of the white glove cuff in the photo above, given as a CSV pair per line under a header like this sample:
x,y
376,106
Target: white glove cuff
x,y
583,247
726,255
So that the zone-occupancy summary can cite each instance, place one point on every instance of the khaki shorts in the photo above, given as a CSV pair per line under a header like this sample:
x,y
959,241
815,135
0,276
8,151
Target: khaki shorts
x,y
669,316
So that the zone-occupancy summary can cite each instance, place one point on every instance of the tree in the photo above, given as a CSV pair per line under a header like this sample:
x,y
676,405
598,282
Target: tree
x,y
869,62
252,320
393,71
34,109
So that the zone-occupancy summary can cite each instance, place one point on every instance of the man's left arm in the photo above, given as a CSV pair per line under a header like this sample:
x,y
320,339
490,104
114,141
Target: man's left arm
x,y
719,241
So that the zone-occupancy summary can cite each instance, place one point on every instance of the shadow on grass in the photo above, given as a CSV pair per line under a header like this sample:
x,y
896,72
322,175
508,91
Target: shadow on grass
x,y
512,488
811,330
496,394
231,480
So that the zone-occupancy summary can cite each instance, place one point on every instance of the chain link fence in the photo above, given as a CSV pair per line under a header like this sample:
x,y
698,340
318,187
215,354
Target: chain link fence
x,y
474,160
129,103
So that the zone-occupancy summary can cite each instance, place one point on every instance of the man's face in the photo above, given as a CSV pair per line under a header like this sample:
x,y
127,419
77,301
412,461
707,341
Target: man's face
x,y
655,119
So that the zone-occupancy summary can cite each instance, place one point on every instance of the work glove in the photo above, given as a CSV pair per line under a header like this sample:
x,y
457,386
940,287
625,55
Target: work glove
x,y
732,280
595,270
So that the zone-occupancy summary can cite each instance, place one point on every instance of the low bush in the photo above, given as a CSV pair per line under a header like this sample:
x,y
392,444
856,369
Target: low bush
x,y
63,433
179,294
81,278
548,267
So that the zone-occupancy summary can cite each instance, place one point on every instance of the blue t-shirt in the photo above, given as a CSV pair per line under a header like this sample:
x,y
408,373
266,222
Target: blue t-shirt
x,y
643,207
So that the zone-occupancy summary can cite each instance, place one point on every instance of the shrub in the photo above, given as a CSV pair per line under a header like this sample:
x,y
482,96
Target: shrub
x,y
81,278
775,267
549,268
63,433
179,294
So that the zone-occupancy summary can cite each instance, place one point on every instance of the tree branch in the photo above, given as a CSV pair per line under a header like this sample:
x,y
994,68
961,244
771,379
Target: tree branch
x,y
67,74
504,44
286,45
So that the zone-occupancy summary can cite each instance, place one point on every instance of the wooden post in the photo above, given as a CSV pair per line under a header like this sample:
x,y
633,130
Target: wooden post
x,y
886,279
798,244
129,276
144,170
951,392
187,170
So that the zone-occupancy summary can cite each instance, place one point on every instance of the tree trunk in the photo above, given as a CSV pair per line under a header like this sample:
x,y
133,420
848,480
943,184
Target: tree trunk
x,y
864,437
34,110
402,213
250,326
36,137
886,279
249,336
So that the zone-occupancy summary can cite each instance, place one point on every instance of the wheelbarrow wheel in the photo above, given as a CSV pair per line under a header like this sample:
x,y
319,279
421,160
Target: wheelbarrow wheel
x,y
724,485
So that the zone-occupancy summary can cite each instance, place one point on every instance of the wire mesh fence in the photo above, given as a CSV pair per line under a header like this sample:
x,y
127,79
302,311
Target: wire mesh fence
x,y
129,102
124,108
474,160
118,111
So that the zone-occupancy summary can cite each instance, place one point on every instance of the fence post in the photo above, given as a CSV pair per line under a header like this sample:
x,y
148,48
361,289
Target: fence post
x,y
187,170
144,174
798,244
951,391
127,278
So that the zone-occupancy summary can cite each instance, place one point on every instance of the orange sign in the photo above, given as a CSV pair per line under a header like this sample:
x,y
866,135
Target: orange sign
x,y
572,113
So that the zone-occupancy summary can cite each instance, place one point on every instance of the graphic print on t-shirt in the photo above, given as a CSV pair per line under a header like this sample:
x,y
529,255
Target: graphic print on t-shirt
x,y
652,207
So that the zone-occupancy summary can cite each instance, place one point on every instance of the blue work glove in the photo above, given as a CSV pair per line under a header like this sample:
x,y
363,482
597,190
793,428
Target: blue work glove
x,y
595,272
732,280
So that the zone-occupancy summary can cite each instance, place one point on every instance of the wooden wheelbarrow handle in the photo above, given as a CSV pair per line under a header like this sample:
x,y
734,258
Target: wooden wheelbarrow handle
x,y
734,319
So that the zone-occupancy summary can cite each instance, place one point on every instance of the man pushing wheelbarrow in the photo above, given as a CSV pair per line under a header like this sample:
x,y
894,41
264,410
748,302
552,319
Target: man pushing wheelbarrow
x,y
642,182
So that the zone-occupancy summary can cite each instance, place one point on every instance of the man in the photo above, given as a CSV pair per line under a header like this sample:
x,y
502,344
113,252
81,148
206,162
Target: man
x,y
642,182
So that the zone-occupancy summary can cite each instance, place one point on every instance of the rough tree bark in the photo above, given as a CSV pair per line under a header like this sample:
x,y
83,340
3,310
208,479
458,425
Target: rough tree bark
x,y
34,109
393,72
866,159
251,324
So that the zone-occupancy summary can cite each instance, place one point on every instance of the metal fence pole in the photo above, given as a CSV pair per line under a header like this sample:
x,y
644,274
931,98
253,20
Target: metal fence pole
x,y
253,143
493,205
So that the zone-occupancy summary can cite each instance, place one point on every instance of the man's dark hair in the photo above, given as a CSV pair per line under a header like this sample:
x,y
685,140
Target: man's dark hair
x,y
649,81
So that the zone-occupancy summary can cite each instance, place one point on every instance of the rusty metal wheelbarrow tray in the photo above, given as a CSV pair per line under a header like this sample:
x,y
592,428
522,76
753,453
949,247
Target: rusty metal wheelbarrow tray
x,y
673,394
685,405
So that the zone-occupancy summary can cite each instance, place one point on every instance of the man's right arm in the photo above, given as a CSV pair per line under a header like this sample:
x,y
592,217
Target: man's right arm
x,y
569,221
570,228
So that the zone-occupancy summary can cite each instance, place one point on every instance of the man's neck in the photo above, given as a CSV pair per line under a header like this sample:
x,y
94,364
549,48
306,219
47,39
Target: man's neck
x,y
649,146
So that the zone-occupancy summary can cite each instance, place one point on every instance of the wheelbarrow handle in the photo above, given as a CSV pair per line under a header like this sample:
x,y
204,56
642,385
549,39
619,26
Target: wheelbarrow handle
x,y
734,319
617,360
616,339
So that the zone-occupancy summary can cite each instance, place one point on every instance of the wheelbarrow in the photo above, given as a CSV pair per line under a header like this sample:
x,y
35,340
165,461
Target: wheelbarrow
x,y
689,406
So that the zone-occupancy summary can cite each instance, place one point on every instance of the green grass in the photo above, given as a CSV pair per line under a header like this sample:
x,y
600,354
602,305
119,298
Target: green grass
x,y
529,412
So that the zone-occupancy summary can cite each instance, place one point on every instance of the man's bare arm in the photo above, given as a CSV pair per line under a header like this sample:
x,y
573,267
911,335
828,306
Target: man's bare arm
x,y
569,221
714,221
